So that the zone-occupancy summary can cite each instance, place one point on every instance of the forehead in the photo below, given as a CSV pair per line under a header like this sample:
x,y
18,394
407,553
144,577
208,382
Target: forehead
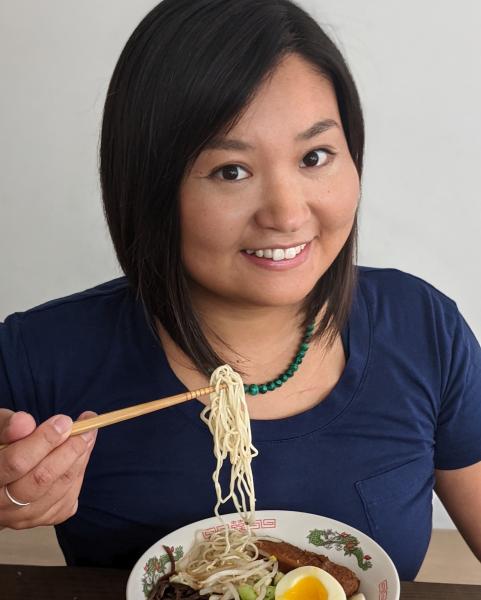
x,y
293,97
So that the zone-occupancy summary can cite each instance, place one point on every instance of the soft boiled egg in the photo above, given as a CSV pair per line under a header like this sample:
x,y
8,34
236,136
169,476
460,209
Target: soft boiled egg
x,y
309,583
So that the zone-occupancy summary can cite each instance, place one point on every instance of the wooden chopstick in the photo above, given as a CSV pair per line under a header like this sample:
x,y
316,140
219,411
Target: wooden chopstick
x,y
131,412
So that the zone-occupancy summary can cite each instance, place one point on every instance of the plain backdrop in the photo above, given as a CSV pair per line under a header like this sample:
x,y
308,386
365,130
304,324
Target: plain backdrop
x,y
417,65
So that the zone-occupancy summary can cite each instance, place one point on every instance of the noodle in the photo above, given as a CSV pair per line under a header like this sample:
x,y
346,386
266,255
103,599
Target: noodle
x,y
229,557
227,418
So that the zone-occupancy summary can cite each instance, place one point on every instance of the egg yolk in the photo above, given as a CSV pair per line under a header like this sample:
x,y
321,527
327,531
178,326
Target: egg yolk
x,y
308,588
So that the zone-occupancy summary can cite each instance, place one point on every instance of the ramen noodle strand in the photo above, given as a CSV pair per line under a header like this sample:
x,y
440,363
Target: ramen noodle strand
x,y
227,418
229,557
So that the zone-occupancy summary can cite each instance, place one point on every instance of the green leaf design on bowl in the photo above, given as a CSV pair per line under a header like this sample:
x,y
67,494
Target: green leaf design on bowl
x,y
155,568
328,538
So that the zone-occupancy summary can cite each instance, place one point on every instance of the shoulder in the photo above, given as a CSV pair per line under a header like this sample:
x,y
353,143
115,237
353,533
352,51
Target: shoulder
x,y
99,294
73,306
53,348
410,312
76,319
397,292
423,330
390,281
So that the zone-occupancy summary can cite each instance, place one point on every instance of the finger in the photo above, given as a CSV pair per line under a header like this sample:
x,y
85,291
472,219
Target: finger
x,y
87,414
57,505
65,463
67,503
88,435
15,425
67,488
66,459
20,457
58,513
61,500
72,479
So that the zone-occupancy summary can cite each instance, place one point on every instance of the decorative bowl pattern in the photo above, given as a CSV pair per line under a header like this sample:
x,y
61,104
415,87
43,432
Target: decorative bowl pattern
x,y
340,542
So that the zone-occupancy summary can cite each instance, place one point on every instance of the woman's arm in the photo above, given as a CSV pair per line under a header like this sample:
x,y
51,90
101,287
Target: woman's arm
x,y
460,492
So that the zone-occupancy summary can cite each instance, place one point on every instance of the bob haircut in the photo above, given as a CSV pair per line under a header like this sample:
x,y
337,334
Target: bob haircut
x,y
186,74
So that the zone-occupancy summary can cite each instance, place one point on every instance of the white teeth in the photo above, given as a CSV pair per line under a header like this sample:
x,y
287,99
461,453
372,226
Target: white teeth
x,y
278,253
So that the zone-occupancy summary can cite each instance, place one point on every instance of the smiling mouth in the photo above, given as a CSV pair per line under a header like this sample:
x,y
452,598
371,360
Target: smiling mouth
x,y
277,254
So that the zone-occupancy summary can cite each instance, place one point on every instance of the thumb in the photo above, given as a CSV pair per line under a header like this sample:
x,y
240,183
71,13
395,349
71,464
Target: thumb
x,y
15,425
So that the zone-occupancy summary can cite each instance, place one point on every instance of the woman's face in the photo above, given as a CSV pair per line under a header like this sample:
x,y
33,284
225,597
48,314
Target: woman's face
x,y
282,184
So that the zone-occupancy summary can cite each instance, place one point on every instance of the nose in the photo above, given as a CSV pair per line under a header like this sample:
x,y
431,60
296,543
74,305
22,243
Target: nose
x,y
283,206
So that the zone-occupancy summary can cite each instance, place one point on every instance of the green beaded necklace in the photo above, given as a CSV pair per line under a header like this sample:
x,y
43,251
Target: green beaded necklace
x,y
261,388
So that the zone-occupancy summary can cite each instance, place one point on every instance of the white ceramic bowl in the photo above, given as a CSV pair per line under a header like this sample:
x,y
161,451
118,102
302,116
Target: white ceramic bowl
x,y
340,542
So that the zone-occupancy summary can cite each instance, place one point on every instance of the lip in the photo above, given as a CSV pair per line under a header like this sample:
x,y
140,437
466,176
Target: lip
x,y
279,265
281,246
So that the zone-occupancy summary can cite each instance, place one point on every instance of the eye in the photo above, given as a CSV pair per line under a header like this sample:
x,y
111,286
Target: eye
x,y
317,158
230,173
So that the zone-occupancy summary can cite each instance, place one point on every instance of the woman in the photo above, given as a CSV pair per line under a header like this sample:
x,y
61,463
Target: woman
x,y
231,158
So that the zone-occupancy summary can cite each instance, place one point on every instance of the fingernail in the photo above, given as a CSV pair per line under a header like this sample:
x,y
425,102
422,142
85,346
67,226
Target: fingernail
x,y
88,436
13,416
62,424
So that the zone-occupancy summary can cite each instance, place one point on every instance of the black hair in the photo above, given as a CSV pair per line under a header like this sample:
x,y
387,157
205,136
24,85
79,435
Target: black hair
x,y
186,74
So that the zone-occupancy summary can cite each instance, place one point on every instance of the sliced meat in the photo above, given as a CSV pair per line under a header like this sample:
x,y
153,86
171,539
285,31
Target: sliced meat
x,y
290,557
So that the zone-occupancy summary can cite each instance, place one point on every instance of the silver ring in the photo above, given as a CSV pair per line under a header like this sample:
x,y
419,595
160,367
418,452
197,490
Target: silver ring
x,y
14,500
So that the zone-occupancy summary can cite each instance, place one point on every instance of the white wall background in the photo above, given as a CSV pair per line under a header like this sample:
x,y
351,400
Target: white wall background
x,y
418,68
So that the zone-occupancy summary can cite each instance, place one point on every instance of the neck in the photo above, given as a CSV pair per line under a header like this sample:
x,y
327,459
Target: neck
x,y
246,337
257,341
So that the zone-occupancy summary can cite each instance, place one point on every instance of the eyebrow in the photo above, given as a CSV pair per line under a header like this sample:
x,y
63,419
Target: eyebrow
x,y
221,143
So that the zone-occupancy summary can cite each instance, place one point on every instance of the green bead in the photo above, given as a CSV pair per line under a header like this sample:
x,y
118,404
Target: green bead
x,y
270,386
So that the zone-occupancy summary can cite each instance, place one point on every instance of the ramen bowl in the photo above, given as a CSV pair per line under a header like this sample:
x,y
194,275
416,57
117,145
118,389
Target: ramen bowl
x,y
341,543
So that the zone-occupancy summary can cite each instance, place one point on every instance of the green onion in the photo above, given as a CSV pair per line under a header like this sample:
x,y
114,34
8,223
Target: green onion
x,y
246,592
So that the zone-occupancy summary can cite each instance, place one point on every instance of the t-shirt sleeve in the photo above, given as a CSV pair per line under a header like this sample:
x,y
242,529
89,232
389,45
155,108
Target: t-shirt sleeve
x,y
17,391
458,436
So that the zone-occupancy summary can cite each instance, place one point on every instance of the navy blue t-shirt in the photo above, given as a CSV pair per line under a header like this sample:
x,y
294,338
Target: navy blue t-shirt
x,y
408,401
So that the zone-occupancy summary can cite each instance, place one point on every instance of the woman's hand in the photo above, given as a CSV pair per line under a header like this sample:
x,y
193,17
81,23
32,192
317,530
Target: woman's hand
x,y
41,466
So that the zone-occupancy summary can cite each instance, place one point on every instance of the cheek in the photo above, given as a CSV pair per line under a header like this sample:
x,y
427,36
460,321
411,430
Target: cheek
x,y
198,229
338,204
210,228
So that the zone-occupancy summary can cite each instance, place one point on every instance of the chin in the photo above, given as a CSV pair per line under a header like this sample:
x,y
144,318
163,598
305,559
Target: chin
x,y
278,297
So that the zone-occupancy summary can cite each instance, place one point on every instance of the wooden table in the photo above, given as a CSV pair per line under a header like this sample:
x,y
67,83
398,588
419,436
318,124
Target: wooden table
x,y
75,583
